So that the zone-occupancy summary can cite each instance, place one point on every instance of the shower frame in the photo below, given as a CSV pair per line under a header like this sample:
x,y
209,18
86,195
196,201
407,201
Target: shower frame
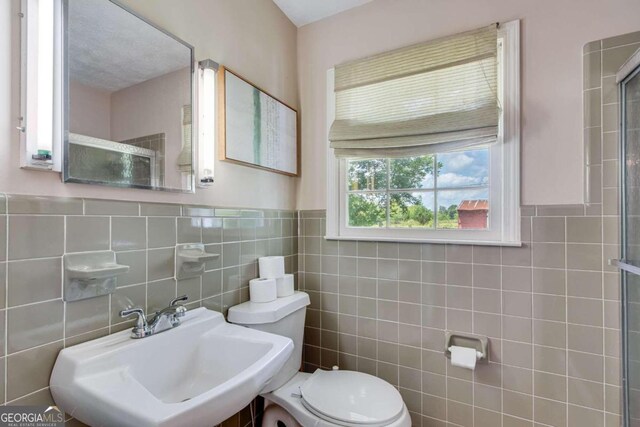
x,y
629,71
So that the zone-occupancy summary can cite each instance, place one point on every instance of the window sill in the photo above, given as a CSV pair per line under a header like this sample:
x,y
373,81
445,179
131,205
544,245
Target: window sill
x,y
514,244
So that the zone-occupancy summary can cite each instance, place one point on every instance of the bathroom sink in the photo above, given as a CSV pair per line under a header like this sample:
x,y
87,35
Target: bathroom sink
x,y
197,374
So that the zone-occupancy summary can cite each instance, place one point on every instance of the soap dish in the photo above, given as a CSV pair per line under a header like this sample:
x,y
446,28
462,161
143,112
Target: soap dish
x,y
91,274
191,259
87,272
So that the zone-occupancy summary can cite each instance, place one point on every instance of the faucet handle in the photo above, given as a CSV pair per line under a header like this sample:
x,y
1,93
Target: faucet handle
x,y
180,310
141,329
141,322
175,301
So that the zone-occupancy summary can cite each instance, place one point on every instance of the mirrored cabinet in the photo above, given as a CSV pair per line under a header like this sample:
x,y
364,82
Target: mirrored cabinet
x,y
120,107
128,95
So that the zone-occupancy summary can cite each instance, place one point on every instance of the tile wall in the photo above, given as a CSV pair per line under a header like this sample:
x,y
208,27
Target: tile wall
x,y
601,61
35,232
549,308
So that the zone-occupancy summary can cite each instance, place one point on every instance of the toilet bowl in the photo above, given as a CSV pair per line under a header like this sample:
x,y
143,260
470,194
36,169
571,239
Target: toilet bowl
x,y
275,416
331,408
323,398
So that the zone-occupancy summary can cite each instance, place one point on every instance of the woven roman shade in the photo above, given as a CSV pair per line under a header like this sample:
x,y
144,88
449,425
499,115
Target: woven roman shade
x,y
431,97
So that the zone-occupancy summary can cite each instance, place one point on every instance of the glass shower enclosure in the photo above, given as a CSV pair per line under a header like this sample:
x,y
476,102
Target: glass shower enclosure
x,y
629,85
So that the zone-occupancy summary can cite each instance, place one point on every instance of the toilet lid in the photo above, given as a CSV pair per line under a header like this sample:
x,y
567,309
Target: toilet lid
x,y
351,398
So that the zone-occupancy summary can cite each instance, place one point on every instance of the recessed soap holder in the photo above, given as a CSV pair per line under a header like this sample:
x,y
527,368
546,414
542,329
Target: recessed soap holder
x,y
91,274
480,343
191,259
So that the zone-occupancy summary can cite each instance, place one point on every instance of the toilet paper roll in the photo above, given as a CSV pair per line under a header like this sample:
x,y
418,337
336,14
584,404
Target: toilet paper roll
x,y
262,290
285,285
464,357
271,267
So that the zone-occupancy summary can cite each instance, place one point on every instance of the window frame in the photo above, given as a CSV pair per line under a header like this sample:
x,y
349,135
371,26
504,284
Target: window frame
x,y
504,172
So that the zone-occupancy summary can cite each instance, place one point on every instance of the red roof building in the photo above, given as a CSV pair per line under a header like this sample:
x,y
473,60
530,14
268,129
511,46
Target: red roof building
x,y
473,214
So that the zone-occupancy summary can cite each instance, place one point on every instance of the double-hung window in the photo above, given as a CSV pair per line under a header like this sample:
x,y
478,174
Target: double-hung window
x,y
424,142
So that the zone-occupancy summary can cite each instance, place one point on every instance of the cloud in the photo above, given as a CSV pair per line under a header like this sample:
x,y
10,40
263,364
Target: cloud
x,y
451,179
459,161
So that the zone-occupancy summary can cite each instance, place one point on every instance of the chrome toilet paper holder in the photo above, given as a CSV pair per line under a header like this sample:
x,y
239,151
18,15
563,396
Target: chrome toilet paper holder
x,y
480,343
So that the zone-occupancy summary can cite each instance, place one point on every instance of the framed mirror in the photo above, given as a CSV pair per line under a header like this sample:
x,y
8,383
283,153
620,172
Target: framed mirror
x,y
128,94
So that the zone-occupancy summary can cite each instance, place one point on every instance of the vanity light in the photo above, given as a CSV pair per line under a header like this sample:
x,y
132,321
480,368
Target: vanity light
x,y
207,135
41,106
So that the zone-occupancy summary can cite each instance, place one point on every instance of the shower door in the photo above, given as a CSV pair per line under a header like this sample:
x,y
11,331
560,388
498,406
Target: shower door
x,y
630,242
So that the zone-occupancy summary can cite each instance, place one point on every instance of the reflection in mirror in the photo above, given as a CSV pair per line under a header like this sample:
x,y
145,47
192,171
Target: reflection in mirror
x,y
129,97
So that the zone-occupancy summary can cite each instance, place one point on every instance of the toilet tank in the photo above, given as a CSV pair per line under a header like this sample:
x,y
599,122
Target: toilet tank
x,y
284,316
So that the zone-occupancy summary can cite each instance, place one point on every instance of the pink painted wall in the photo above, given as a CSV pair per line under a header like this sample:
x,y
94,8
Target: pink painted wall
x,y
553,34
90,111
254,38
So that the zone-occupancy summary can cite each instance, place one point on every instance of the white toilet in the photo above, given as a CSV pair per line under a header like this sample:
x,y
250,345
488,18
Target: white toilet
x,y
324,398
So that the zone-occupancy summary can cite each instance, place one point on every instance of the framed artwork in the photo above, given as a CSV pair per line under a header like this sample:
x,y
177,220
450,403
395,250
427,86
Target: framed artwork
x,y
255,128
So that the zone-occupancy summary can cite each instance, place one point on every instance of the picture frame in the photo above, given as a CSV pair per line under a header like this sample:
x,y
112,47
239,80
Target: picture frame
x,y
255,128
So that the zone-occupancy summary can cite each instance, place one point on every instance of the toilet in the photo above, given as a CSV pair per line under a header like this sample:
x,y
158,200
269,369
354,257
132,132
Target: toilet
x,y
324,398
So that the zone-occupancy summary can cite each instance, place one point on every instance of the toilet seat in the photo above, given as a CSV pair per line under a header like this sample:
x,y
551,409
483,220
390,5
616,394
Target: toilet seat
x,y
288,397
351,399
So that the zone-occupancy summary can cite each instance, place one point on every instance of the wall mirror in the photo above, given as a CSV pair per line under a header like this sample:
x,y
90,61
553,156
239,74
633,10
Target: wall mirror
x,y
128,93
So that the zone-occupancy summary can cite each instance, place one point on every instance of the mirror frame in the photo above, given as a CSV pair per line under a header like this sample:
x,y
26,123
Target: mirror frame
x,y
65,101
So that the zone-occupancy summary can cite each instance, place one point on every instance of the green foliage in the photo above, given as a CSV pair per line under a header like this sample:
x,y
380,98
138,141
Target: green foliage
x,y
448,216
368,174
405,210
453,212
366,210
420,214
410,172
449,213
416,215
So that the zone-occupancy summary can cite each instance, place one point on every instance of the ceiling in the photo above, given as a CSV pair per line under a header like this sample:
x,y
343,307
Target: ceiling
x,y
111,49
303,12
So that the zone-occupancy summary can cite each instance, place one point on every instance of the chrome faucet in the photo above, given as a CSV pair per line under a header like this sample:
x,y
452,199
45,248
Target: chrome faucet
x,y
167,318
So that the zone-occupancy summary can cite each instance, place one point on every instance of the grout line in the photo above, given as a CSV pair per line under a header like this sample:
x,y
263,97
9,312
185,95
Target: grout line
x,y
58,341
446,328
6,299
64,303
616,47
602,187
566,319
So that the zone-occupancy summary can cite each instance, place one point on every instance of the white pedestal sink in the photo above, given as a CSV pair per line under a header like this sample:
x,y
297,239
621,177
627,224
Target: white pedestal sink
x,y
197,374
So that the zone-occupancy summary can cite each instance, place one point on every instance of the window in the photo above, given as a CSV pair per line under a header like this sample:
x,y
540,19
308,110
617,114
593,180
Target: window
x,y
424,192
464,192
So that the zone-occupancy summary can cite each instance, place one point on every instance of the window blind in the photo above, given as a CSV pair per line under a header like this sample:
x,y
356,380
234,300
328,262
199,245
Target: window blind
x,y
431,97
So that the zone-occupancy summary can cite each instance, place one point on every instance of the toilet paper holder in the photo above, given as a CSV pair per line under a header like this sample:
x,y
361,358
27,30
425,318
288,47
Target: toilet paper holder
x,y
480,343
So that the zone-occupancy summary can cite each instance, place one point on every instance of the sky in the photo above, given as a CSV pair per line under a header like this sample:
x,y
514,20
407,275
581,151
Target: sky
x,y
460,170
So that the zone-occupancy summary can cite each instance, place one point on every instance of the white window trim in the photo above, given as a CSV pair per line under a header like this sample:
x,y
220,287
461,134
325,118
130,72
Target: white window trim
x,y
506,153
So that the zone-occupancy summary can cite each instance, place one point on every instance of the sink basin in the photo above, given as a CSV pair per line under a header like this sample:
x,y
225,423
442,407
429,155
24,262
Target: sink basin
x,y
197,374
